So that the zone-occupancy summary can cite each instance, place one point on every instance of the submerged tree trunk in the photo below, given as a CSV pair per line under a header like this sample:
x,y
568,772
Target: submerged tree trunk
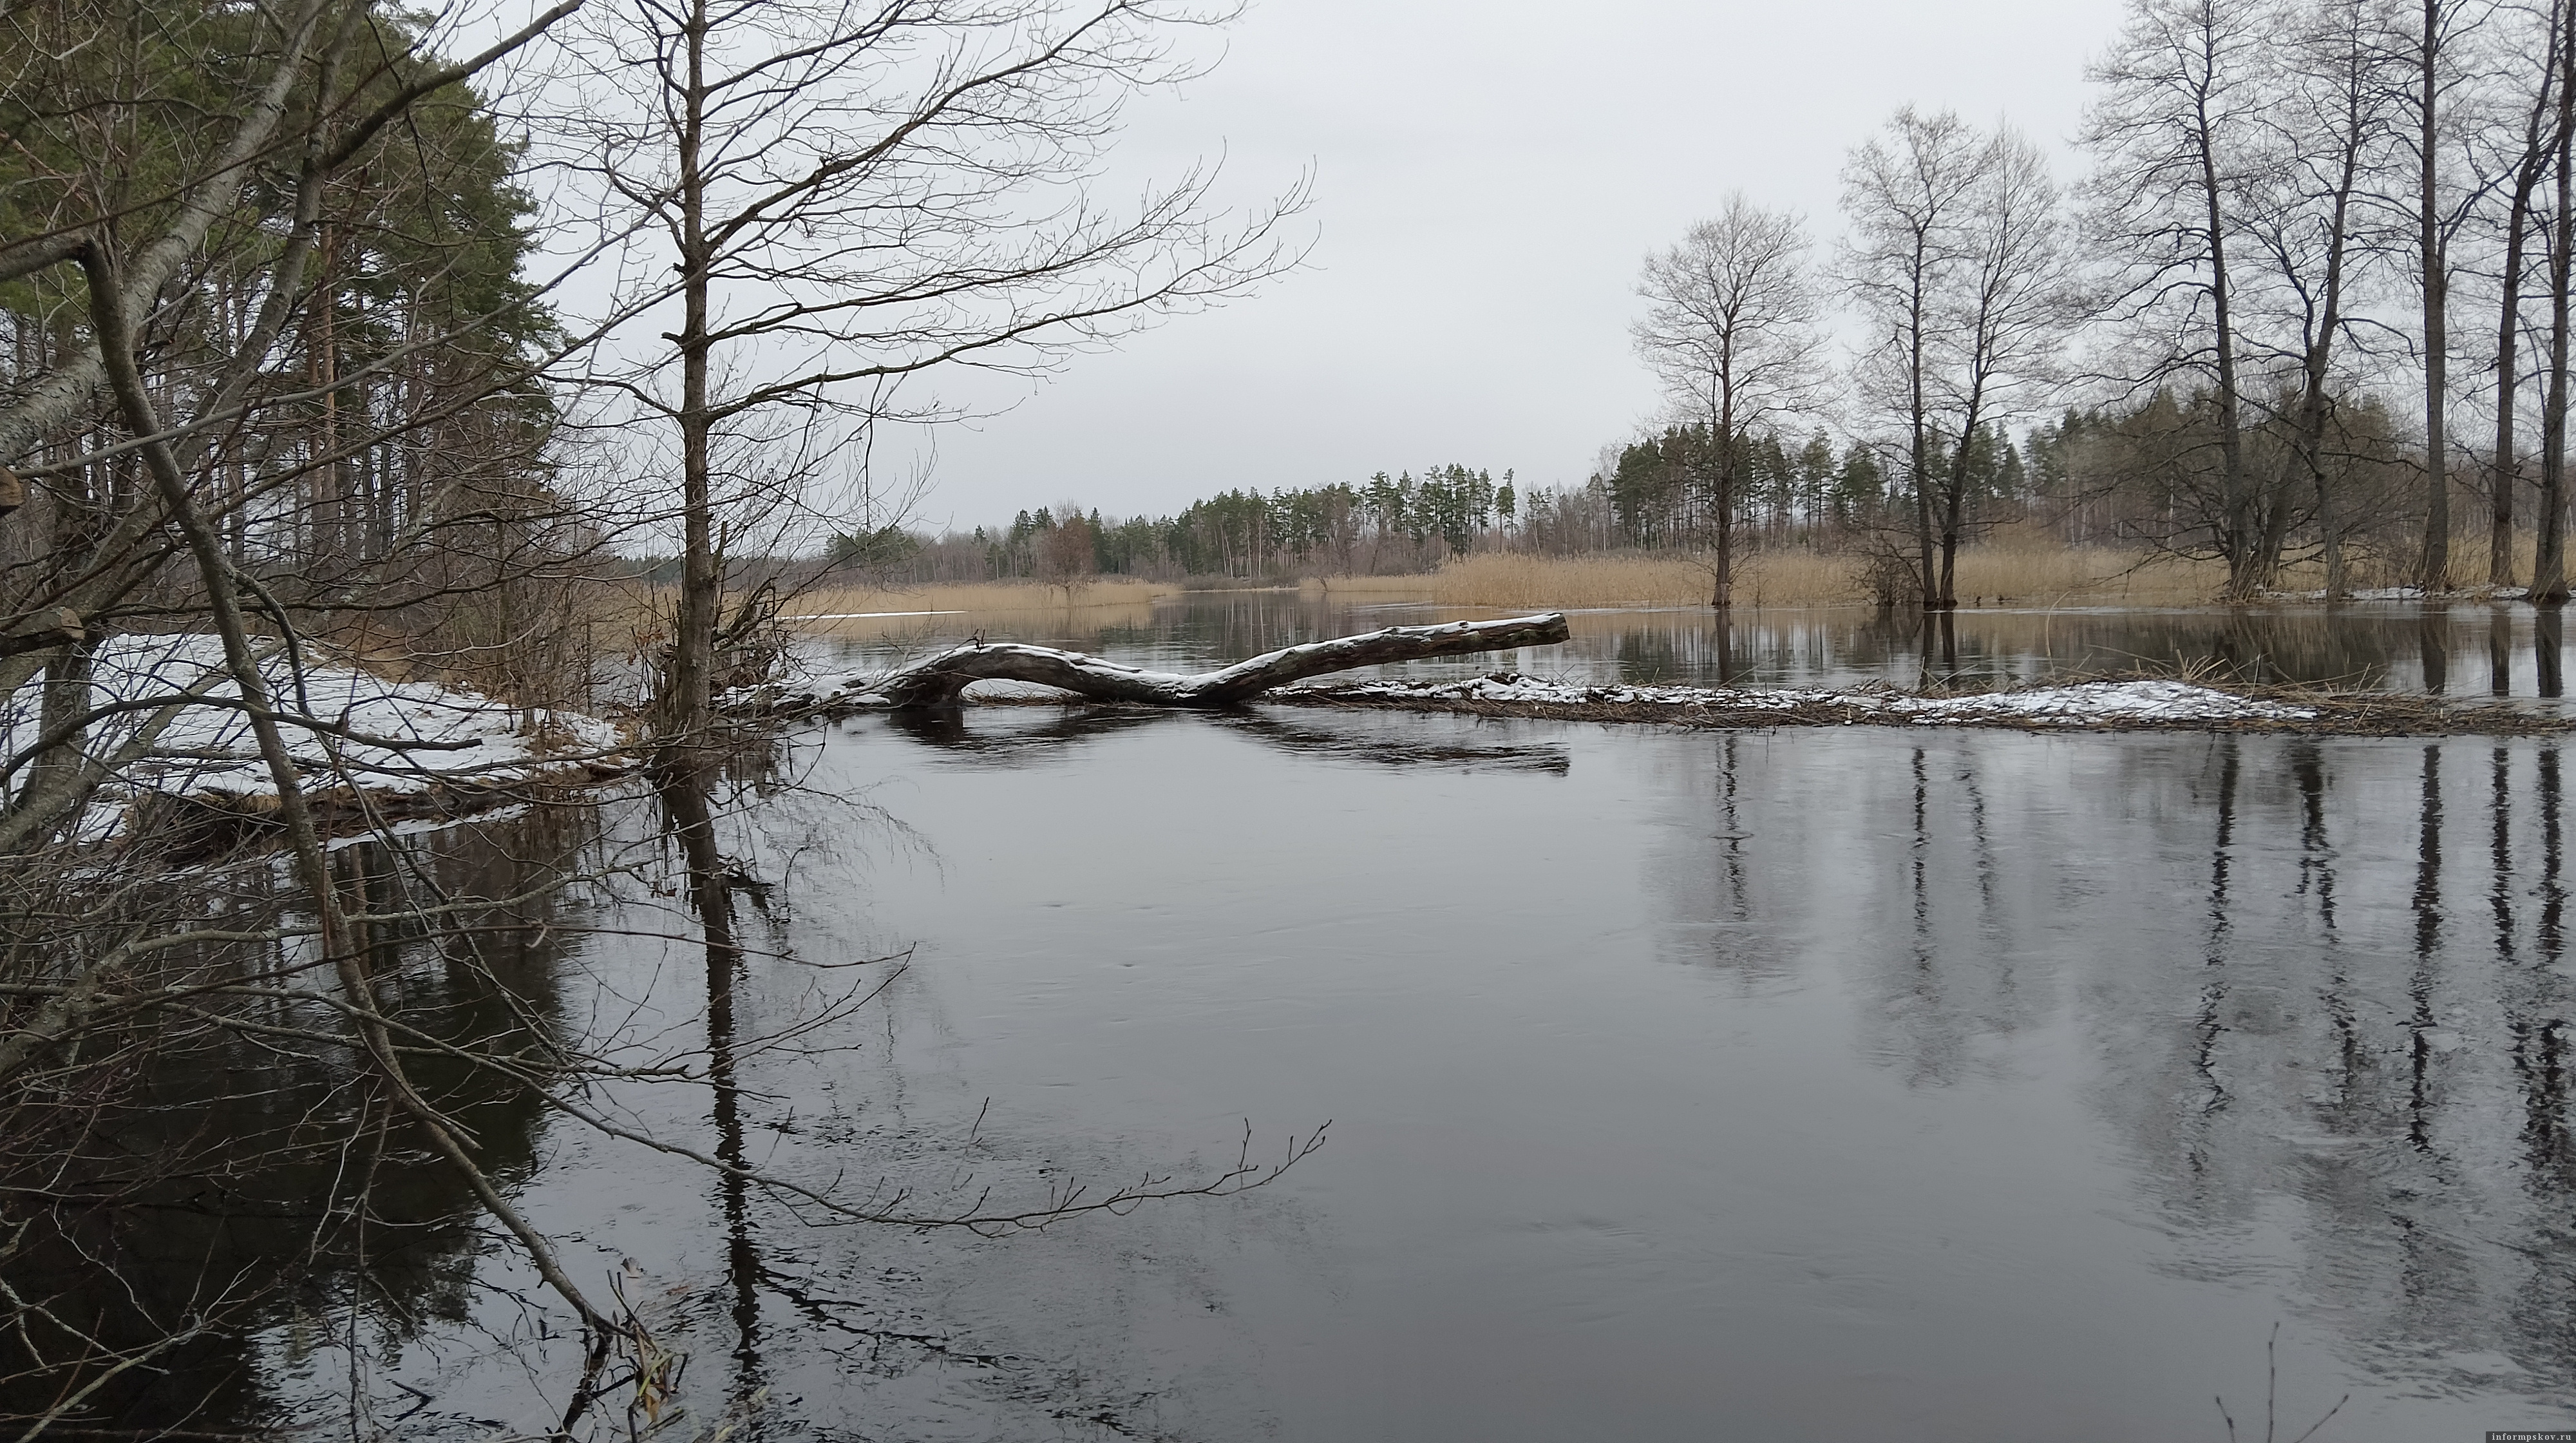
x,y
938,680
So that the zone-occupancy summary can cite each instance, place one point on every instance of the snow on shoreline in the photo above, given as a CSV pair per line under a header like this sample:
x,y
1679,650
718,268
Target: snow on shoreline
x,y
2092,703
391,738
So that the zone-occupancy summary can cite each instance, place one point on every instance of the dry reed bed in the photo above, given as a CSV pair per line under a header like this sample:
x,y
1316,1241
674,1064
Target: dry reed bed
x,y
2010,572
2016,570
998,598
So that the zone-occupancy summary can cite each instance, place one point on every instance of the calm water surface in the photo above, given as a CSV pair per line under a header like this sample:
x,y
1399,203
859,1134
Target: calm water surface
x,y
1804,1085
1979,1086
2463,650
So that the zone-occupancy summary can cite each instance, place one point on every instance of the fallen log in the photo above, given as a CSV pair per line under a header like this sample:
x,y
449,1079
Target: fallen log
x,y
937,681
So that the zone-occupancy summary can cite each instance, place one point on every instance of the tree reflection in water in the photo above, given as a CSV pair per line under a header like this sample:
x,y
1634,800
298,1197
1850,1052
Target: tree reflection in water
x,y
2393,645
2350,1032
2309,995
225,1180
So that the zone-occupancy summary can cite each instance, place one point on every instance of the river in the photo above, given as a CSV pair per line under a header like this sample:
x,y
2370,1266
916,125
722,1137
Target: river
x,y
1801,1085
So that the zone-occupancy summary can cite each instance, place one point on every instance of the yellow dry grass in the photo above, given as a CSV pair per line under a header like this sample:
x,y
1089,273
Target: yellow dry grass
x,y
2010,568
2026,570
2006,571
854,609
1506,578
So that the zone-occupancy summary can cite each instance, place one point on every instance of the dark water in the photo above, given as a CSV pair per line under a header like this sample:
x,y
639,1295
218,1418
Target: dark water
x,y
1804,1085
2467,651
1809,1086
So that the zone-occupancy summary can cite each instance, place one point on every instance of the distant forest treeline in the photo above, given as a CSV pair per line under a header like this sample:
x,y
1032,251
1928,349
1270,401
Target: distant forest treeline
x,y
2090,477
2312,293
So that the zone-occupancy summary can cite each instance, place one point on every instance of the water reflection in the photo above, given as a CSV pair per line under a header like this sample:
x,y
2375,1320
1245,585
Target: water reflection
x,y
2546,648
1504,750
238,1178
2391,645
686,789
1836,1082
2408,1098
2499,652
2170,1038
1022,736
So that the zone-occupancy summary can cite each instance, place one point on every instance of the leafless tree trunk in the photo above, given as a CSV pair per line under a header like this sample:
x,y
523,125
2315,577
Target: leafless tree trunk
x,y
1731,333
1901,194
2012,313
850,201
2549,575
2531,163
2179,97
1961,247
2434,273
2331,123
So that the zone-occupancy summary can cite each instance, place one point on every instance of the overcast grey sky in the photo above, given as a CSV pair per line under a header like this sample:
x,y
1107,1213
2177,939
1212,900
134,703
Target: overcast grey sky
x,y
1488,178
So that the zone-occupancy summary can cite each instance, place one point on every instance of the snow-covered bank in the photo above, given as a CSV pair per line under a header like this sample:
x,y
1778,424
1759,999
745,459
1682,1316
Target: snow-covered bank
x,y
2131,705
175,730
2470,594
2096,703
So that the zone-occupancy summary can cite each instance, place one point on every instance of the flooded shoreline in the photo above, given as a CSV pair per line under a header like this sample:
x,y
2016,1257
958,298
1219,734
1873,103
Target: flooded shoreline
x,y
2466,651
1794,1083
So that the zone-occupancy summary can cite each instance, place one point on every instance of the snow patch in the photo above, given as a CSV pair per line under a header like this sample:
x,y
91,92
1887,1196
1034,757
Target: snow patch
x,y
384,736
2410,593
2081,704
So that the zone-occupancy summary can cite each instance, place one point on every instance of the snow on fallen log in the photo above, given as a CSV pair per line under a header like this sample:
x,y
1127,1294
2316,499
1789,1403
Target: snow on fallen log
x,y
938,680
169,705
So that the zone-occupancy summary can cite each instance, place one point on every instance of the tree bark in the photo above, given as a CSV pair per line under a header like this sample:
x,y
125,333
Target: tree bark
x,y
2549,575
2238,501
1724,581
938,680
2507,467
687,683
2436,567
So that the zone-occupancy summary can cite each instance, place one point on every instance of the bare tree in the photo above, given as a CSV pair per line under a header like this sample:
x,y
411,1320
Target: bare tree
x,y
2174,132
1732,334
850,197
260,376
2433,45
1902,194
2329,127
2526,164
1962,255
2549,574
2006,322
